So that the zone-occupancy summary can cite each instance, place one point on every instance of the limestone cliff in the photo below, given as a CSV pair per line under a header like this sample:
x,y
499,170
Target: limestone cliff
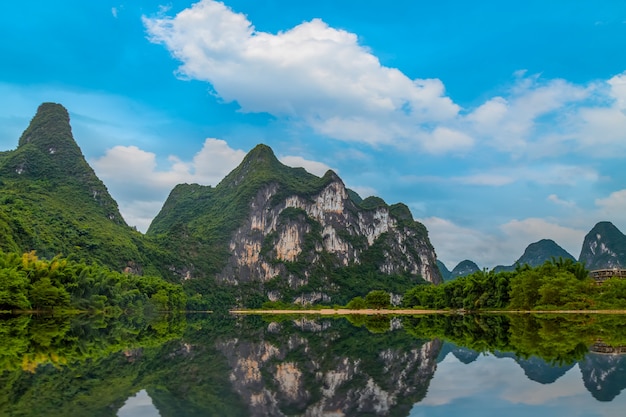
x,y
295,236
327,222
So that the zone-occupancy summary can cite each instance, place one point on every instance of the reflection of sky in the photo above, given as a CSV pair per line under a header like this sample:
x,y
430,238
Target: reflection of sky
x,y
498,387
138,406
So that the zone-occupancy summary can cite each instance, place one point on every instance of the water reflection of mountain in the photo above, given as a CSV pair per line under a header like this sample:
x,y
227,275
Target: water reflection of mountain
x,y
342,371
463,354
604,376
244,366
235,367
537,369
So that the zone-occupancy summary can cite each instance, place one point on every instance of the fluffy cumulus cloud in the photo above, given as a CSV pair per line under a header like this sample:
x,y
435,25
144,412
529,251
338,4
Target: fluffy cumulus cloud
x,y
322,76
534,229
311,72
613,208
134,179
509,123
455,243
601,128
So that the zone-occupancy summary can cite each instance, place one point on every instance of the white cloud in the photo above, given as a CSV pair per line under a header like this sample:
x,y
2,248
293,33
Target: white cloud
x,y
322,76
534,229
549,174
314,167
618,90
597,128
311,72
454,243
510,123
140,187
114,12
559,174
613,208
601,128
493,180
214,161
132,176
444,139
558,201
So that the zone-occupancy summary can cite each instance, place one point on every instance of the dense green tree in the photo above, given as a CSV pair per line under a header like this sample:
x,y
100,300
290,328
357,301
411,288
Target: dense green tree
x,y
44,295
357,303
13,290
557,284
378,299
29,282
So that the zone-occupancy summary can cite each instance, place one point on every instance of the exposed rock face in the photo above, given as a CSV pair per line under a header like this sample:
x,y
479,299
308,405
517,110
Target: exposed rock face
x,y
321,384
604,247
281,233
326,222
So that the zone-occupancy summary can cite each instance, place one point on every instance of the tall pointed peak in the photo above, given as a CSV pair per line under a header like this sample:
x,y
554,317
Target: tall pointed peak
x,y
47,148
50,130
260,164
605,227
604,247
261,154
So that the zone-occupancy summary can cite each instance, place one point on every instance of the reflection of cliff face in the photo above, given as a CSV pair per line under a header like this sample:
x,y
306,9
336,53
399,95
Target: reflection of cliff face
x,y
302,375
604,375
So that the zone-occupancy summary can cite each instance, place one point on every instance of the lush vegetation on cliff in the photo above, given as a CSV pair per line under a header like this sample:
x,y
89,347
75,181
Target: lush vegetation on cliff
x,y
30,283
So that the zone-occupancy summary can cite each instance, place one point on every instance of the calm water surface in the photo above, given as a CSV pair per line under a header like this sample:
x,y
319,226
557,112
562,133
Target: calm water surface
x,y
208,365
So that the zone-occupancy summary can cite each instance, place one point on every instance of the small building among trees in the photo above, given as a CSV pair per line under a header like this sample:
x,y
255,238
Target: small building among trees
x,y
601,275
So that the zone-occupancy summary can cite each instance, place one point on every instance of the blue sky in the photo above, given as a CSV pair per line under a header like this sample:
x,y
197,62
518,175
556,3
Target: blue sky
x,y
497,124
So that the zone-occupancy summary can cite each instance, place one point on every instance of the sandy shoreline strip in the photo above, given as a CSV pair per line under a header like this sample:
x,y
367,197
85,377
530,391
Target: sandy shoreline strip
x,y
409,312
341,311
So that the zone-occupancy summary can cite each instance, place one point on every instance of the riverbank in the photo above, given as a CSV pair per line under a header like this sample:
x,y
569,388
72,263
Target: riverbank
x,y
409,312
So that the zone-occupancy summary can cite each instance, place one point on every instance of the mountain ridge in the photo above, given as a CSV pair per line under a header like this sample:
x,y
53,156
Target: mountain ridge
x,y
604,247
292,235
265,232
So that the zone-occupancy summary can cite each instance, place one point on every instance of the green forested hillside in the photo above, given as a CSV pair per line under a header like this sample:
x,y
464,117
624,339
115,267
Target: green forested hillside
x,y
51,200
